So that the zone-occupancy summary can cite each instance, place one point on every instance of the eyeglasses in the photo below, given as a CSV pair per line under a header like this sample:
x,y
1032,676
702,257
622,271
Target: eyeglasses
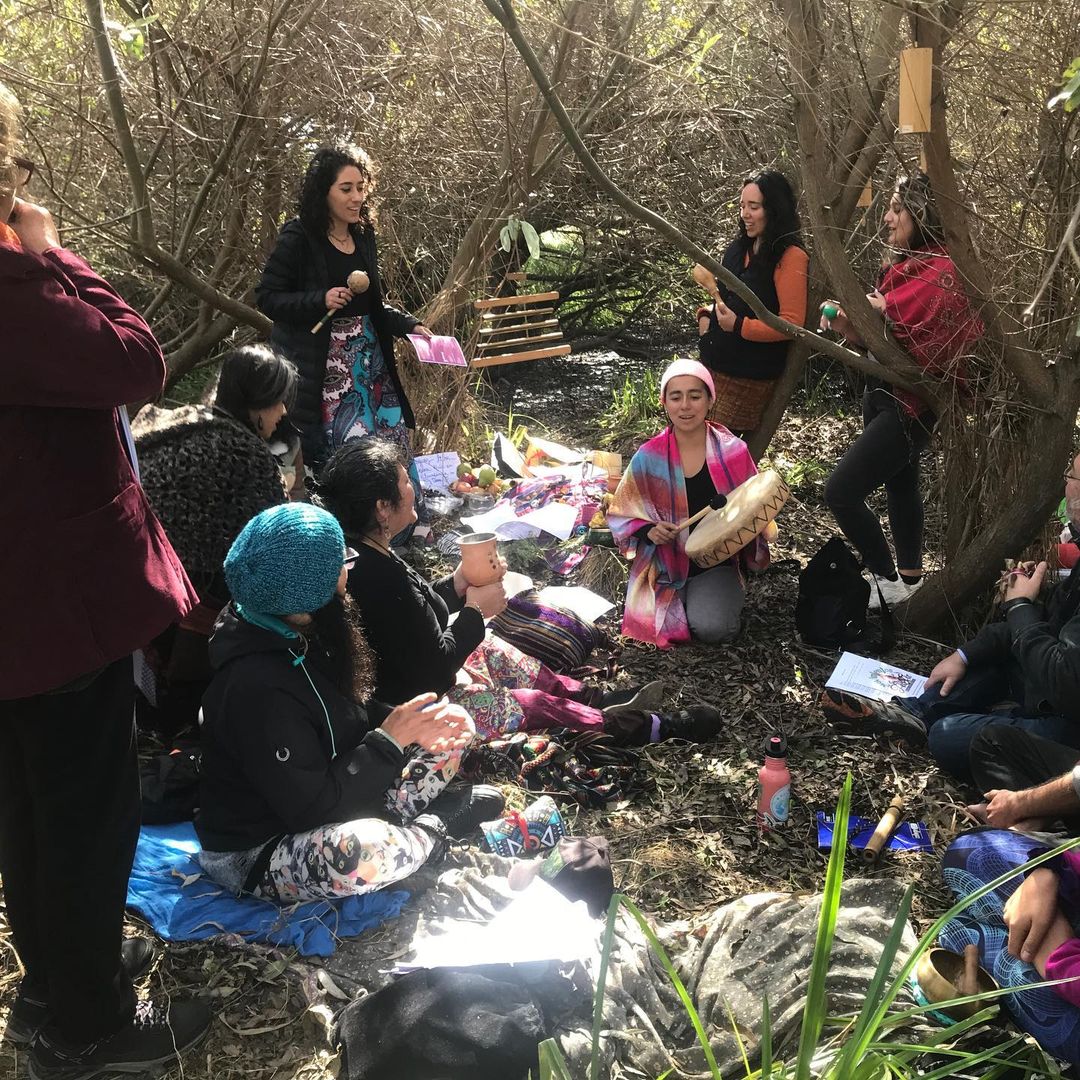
x,y
351,555
1069,476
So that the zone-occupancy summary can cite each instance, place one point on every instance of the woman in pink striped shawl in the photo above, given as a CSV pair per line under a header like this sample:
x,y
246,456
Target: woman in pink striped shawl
x,y
669,600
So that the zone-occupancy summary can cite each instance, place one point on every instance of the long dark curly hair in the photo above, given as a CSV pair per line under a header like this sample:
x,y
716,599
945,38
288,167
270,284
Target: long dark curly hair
x,y
917,197
319,178
356,477
782,225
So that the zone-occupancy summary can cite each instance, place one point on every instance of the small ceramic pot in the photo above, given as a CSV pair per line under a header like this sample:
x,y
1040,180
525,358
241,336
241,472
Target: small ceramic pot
x,y
479,559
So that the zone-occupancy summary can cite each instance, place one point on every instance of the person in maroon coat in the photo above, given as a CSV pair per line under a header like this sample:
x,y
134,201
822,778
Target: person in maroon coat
x,y
87,577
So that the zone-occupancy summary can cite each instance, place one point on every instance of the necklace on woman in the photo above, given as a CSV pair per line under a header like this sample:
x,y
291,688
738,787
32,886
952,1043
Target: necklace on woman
x,y
370,540
340,244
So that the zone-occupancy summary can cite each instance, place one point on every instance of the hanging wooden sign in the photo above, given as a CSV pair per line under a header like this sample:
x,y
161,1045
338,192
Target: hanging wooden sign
x,y
866,196
916,84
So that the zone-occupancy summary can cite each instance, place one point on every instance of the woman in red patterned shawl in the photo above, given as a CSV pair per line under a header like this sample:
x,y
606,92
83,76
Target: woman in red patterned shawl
x,y
924,307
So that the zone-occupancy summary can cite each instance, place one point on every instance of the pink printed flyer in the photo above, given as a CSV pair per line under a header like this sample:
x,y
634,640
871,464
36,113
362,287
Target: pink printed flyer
x,y
438,350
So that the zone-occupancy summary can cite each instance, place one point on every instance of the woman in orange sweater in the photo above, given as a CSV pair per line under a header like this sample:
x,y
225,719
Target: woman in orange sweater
x,y
745,356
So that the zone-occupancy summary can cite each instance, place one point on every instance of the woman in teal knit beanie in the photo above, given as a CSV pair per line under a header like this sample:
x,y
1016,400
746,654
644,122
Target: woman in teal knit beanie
x,y
310,790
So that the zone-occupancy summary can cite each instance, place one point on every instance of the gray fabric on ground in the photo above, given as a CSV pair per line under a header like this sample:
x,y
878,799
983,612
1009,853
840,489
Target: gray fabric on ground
x,y
761,944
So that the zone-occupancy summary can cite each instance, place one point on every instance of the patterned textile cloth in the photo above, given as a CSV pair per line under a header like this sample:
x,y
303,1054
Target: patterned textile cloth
x,y
493,669
740,402
356,857
929,315
359,397
975,859
653,489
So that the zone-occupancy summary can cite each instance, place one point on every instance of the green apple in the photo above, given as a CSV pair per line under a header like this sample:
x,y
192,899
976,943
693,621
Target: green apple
x,y
463,469
485,476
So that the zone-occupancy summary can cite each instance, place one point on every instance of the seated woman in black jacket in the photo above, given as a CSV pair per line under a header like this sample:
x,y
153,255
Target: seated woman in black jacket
x,y
407,623
306,793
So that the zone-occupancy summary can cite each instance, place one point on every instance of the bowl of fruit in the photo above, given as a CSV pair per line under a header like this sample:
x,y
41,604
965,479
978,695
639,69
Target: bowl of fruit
x,y
481,481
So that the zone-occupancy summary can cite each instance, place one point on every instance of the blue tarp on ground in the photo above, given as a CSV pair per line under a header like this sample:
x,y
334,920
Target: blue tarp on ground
x,y
170,891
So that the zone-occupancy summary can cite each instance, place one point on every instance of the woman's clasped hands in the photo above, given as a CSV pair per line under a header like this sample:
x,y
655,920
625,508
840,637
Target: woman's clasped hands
x,y
663,532
431,723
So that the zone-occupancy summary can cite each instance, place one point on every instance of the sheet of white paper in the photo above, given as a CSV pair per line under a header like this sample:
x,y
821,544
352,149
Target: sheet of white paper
x,y
505,456
515,583
874,679
555,518
545,472
489,520
437,471
555,451
577,598
501,941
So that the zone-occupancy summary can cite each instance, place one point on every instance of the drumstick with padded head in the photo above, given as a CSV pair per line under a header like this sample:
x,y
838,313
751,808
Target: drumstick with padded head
x,y
717,502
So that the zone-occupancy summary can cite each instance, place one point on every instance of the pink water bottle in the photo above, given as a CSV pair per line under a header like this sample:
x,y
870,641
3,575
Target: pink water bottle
x,y
774,785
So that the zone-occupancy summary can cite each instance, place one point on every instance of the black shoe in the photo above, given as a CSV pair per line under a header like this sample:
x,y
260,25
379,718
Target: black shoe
x,y
699,723
462,807
30,1014
156,1035
891,718
855,713
645,698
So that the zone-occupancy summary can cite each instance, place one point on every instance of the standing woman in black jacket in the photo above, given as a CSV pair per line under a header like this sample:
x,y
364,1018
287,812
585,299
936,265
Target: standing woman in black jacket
x,y
745,356
349,383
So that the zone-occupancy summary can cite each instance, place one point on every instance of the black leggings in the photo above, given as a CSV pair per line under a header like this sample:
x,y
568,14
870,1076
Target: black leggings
x,y
887,452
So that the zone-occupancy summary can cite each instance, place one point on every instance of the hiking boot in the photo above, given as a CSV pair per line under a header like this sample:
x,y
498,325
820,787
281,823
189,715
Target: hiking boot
x,y
156,1035
462,807
635,699
30,1013
698,723
872,717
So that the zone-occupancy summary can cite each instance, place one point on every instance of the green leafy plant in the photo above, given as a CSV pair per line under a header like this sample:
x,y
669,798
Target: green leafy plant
x,y
870,1046
516,227
634,414
1069,94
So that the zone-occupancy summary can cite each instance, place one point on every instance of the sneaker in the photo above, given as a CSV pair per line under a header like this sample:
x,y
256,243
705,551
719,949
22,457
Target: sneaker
x,y
872,717
156,1036
635,699
30,1014
462,807
699,723
892,592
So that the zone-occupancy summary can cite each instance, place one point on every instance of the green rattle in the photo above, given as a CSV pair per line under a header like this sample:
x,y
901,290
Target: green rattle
x,y
830,311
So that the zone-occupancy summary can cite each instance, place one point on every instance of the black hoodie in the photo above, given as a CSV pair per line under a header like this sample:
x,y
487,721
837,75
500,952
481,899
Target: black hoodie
x,y
269,735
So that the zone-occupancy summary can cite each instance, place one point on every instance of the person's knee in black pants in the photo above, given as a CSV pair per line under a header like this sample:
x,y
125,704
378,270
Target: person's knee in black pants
x,y
1003,757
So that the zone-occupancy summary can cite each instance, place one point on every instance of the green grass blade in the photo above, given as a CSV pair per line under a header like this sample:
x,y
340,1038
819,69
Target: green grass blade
x,y
552,1063
876,988
814,1012
766,1039
673,975
738,1037
601,983
866,1036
